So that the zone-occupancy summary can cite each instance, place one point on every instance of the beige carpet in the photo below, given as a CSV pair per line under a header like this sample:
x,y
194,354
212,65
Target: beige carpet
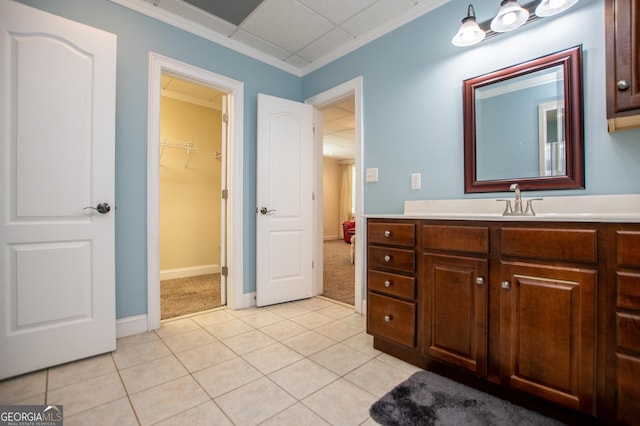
x,y
182,296
339,273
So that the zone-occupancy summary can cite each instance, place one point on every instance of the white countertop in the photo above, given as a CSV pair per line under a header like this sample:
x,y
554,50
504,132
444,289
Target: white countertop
x,y
588,208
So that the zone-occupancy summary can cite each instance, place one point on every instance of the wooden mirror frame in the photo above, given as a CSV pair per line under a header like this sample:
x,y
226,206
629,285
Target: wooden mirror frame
x,y
571,61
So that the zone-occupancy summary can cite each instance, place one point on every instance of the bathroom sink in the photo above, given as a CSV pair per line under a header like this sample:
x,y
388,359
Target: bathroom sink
x,y
599,208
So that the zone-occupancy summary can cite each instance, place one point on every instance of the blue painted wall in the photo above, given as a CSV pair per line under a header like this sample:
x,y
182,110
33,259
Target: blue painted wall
x,y
412,110
413,115
137,36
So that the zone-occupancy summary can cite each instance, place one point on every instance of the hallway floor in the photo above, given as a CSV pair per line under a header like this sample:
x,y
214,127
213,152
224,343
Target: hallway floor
x,y
308,362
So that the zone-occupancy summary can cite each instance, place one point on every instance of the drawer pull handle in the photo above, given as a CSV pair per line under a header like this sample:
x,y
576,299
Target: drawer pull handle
x,y
387,283
506,285
623,85
387,234
480,280
388,318
387,258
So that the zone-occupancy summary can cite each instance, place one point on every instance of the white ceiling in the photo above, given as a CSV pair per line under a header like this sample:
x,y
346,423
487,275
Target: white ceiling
x,y
297,36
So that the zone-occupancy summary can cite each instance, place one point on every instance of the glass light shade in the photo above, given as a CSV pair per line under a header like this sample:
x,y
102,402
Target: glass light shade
x,y
469,33
553,7
509,17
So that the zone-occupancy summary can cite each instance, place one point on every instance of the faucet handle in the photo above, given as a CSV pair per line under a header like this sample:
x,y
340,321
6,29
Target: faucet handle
x,y
507,208
529,210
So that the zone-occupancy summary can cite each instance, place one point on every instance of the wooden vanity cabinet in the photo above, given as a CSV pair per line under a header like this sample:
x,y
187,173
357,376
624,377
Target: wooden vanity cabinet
x,y
623,63
550,309
455,278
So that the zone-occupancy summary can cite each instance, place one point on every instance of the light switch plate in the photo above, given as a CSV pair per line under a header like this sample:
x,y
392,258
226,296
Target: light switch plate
x,y
416,180
372,175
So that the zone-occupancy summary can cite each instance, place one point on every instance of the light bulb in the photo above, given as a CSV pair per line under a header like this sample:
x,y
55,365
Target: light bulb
x,y
509,18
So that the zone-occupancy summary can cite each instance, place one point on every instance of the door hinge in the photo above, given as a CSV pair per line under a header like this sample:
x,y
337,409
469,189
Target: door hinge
x,y
225,118
313,196
224,271
225,194
313,265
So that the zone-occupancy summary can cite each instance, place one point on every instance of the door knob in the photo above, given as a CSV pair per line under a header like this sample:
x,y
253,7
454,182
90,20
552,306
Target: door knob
x,y
264,210
102,208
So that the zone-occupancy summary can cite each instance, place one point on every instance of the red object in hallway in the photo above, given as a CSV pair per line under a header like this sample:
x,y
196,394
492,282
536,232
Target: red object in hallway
x,y
348,229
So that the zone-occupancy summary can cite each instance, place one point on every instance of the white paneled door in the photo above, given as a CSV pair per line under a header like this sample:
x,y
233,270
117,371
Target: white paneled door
x,y
284,223
57,124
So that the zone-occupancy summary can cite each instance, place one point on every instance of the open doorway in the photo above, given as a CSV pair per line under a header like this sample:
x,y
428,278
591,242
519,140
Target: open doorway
x,y
347,91
339,201
192,136
232,193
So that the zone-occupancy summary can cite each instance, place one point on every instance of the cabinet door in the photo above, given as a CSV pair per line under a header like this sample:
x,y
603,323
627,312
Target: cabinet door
x,y
455,306
623,57
547,332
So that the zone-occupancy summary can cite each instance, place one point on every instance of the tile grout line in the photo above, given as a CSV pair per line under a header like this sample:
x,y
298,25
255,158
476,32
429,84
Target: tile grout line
x,y
126,391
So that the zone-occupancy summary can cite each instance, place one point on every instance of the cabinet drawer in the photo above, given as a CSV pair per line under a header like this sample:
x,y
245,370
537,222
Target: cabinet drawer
x,y
577,245
628,404
470,239
392,284
391,319
628,331
628,290
628,248
392,258
397,234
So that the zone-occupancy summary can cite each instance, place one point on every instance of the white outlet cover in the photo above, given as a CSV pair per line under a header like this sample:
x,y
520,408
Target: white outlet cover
x,y
371,175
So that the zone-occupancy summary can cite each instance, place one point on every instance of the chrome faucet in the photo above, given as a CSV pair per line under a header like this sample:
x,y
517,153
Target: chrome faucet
x,y
517,205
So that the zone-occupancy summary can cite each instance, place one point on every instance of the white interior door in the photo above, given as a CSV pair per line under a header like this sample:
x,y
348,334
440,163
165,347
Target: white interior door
x,y
284,224
57,116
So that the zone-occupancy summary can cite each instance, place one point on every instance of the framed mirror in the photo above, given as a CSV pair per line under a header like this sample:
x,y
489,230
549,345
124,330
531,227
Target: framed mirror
x,y
523,124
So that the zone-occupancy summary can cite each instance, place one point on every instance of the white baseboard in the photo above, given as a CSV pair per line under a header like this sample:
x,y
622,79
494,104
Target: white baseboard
x,y
364,307
192,271
331,237
131,325
249,300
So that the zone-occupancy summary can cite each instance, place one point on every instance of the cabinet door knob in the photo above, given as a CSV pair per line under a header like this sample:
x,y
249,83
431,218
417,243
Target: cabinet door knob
x,y
387,283
480,280
623,85
387,258
388,318
387,234
506,285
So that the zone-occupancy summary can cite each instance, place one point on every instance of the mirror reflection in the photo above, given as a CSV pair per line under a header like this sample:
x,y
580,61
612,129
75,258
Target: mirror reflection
x,y
519,119
523,124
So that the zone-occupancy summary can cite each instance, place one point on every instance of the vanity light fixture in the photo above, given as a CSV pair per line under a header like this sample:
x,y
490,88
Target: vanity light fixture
x,y
470,32
510,16
553,7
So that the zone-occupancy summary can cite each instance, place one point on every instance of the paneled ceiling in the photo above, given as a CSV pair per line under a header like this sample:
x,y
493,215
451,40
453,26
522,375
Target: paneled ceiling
x,y
297,36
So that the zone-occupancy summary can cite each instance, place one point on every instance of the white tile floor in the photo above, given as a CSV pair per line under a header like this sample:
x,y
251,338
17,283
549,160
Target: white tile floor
x,y
302,363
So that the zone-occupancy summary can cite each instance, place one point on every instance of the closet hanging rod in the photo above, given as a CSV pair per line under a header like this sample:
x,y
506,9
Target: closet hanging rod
x,y
188,147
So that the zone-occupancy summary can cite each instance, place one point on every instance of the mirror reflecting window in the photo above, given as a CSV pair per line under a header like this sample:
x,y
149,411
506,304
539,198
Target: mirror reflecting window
x,y
523,124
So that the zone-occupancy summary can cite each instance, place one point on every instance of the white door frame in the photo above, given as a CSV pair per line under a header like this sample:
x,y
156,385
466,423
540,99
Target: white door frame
x,y
159,64
349,88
